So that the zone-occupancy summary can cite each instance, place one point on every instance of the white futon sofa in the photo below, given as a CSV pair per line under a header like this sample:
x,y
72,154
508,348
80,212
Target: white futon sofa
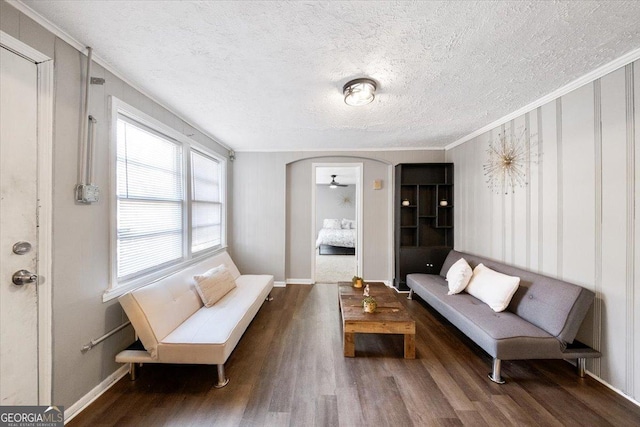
x,y
174,326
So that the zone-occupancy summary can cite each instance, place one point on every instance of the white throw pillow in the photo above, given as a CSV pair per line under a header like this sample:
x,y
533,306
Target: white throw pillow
x,y
493,288
214,284
333,224
458,276
348,224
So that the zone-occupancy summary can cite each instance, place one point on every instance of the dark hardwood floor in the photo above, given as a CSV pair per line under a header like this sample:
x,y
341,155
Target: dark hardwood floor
x,y
288,369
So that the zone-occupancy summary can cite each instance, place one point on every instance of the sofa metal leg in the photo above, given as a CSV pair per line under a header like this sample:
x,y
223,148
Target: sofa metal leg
x,y
495,375
133,371
410,296
269,298
580,364
222,378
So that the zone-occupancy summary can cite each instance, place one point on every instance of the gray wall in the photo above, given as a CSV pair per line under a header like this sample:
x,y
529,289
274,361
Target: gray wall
x,y
272,228
81,233
576,219
330,204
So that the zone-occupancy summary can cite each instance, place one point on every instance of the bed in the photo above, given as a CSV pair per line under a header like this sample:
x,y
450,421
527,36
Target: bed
x,y
337,237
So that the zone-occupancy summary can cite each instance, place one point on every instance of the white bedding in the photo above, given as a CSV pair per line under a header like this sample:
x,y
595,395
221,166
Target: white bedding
x,y
336,237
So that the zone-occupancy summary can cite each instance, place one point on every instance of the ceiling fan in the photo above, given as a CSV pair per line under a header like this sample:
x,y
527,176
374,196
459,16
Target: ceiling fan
x,y
334,184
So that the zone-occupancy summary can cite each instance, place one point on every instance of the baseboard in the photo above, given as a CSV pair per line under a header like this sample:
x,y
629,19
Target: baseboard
x,y
279,284
96,392
572,362
299,282
620,392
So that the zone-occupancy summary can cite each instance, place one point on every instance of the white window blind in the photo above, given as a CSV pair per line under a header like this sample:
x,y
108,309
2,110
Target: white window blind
x,y
169,193
150,200
206,206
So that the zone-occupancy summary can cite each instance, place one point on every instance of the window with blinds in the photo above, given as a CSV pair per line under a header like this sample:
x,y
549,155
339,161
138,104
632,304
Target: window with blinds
x,y
169,200
149,197
206,206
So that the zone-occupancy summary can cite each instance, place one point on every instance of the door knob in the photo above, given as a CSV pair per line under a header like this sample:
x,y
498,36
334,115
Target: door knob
x,y
22,277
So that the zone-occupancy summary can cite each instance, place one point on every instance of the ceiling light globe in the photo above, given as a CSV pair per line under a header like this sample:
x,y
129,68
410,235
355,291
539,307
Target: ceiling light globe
x,y
359,92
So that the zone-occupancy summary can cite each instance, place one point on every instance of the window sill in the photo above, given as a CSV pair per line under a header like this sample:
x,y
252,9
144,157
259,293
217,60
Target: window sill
x,y
116,290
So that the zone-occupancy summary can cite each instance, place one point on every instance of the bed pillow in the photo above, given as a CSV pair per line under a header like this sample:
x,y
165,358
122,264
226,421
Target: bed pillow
x,y
348,224
214,284
458,276
493,288
333,224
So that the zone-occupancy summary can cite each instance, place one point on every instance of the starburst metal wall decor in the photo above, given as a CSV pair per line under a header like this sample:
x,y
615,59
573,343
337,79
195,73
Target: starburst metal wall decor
x,y
508,164
344,199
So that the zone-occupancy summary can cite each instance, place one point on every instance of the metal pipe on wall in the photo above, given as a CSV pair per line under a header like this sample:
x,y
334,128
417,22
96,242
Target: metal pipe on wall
x,y
85,121
90,148
97,341
86,191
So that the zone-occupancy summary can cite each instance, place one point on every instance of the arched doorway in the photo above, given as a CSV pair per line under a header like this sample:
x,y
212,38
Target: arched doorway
x,y
377,218
336,219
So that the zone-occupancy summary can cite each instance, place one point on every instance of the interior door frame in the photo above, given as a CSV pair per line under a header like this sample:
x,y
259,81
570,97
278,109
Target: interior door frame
x,y
359,213
45,91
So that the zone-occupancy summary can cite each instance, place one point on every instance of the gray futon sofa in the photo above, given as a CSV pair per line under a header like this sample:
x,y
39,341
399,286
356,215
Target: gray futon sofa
x,y
540,322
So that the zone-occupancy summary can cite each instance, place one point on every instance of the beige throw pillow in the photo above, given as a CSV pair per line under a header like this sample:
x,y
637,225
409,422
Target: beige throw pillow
x,y
214,284
493,288
458,276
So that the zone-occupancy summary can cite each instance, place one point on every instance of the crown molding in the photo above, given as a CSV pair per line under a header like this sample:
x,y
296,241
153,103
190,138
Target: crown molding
x,y
82,48
52,28
335,150
580,81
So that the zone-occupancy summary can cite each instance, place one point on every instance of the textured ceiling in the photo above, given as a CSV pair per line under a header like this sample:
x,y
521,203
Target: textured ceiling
x,y
269,75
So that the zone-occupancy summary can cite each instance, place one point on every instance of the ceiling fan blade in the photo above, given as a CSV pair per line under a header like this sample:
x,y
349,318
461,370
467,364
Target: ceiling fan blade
x,y
334,184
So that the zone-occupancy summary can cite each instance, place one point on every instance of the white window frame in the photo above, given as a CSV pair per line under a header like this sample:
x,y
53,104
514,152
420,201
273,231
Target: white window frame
x,y
119,107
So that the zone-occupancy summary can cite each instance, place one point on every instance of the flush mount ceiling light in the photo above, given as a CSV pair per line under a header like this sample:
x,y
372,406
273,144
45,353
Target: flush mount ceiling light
x,y
359,92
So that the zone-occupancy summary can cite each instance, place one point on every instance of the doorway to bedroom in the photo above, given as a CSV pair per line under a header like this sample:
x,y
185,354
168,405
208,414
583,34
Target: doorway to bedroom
x,y
336,216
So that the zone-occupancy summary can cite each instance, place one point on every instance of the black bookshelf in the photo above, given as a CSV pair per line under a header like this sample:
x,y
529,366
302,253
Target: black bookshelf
x,y
423,221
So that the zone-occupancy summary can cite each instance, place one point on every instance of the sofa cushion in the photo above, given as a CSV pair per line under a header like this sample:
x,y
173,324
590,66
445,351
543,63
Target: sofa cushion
x,y
554,305
493,288
458,276
210,334
214,284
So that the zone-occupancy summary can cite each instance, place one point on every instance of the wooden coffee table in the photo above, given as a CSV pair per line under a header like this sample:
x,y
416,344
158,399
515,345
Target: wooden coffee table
x,y
389,318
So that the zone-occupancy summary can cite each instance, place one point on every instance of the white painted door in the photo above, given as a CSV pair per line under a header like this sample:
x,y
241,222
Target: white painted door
x,y
18,207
